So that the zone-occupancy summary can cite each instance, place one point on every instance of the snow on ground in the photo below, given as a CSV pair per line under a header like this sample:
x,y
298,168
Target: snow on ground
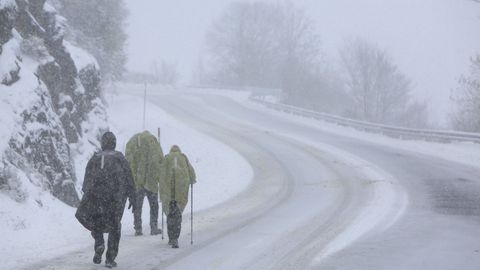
x,y
46,228
31,231
43,227
388,202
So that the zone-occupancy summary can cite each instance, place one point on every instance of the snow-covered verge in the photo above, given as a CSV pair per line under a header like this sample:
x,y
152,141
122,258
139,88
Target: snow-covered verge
x,y
31,232
461,152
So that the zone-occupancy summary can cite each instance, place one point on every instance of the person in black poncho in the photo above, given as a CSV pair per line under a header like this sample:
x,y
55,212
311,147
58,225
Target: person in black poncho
x,y
107,185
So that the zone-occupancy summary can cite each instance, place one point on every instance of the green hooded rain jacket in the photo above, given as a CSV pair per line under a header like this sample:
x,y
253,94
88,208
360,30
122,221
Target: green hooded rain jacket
x,y
179,172
145,156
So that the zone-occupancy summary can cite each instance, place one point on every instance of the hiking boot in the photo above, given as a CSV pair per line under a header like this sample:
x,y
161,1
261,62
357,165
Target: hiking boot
x,y
97,258
170,242
175,244
138,232
155,231
111,264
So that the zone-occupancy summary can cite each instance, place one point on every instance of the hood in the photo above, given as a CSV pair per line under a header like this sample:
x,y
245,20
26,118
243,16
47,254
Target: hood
x,y
108,141
174,149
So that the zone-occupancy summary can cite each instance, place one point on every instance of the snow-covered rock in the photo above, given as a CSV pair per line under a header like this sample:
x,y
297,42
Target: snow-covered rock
x,y
49,101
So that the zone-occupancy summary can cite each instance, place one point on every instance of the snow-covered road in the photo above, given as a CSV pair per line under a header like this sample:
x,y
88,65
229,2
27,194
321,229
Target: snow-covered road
x,y
318,200
333,196
437,230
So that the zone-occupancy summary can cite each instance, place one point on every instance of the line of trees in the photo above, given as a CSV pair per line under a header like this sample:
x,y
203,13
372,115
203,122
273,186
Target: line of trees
x,y
275,45
379,90
466,98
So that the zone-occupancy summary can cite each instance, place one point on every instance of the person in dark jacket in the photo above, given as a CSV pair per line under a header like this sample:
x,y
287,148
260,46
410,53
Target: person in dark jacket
x,y
107,185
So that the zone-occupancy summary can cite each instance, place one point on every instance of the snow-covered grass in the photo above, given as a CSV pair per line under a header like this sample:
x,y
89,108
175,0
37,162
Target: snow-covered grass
x,y
42,227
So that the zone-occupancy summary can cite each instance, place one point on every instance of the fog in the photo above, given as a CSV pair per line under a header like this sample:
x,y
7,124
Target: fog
x,y
430,41
341,134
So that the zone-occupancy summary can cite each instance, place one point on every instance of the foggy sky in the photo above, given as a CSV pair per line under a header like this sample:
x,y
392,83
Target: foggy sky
x,y
430,40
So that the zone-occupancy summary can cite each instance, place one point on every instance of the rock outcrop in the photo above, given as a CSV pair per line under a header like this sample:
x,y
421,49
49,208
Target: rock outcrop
x,y
50,88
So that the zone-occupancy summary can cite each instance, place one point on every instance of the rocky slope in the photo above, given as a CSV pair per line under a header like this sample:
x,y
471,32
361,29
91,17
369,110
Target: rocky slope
x,y
49,102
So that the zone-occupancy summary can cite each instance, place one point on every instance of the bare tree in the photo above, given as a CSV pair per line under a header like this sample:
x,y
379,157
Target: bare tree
x,y
299,53
379,90
265,44
466,96
241,44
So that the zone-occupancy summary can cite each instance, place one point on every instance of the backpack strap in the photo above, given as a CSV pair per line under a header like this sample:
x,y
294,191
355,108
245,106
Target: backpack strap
x,y
102,162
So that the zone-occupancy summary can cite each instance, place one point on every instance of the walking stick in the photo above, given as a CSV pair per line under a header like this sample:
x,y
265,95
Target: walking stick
x,y
191,214
158,136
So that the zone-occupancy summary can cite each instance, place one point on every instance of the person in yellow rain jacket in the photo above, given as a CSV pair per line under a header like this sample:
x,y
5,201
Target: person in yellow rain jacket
x,y
176,176
145,157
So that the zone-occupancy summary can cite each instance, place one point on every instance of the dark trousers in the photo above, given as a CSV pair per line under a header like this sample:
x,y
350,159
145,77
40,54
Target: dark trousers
x,y
152,198
113,241
174,222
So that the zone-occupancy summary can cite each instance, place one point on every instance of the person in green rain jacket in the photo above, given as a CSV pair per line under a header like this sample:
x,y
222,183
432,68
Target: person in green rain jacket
x,y
145,157
176,176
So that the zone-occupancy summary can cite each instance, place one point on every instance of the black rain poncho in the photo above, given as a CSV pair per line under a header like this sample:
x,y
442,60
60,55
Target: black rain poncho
x,y
107,184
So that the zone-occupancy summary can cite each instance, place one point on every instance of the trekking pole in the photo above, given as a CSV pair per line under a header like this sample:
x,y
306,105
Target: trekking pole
x,y
191,214
158,137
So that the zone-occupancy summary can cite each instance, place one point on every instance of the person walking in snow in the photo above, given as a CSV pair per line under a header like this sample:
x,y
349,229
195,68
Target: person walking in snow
x,y
177,174
107,185
145,156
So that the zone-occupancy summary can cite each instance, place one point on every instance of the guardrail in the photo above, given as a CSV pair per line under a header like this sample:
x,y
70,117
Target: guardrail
x,y
391,131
